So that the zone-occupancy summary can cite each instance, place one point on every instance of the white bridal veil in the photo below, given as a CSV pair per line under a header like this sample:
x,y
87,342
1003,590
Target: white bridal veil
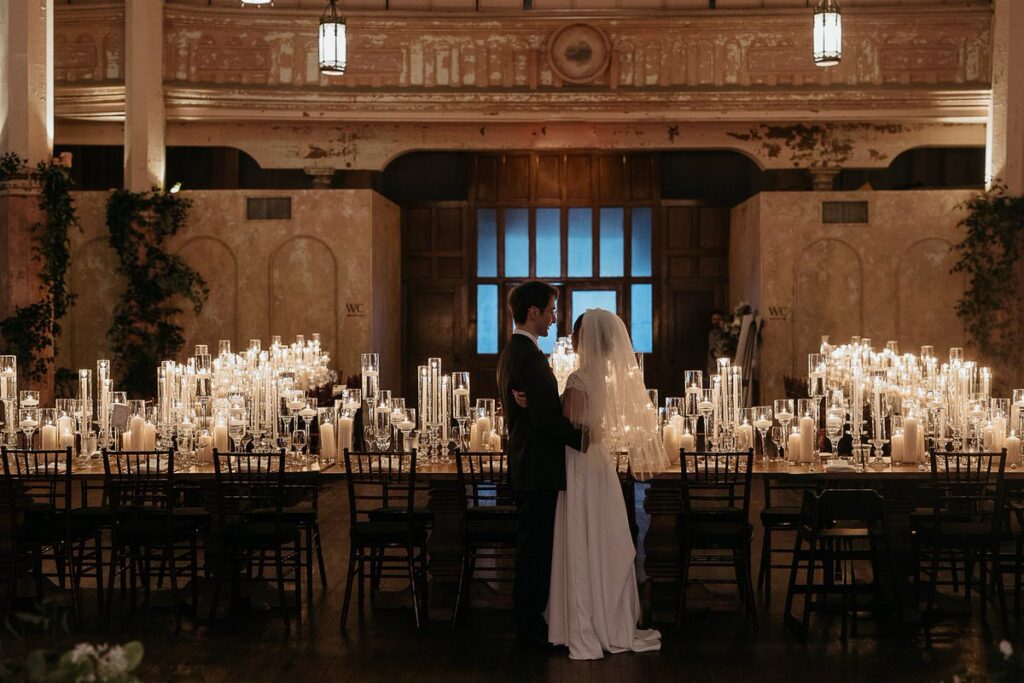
x,y
613,408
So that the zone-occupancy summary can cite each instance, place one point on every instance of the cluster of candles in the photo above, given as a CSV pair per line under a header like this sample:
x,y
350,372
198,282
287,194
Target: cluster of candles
x,y
908,403
204,403
563,361
911,402
727,423
449,415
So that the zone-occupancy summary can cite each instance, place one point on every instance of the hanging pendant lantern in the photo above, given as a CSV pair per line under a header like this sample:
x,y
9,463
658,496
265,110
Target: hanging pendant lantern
x,y
332,41
828,33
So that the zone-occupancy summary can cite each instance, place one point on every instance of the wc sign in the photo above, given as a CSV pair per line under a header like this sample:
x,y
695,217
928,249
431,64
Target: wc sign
x,y
355,310
778,312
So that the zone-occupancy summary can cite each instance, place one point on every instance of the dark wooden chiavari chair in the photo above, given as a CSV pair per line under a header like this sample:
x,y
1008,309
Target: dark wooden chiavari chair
x,y
964,526
391,547
489,520
37,501
139,487
716,529
250,503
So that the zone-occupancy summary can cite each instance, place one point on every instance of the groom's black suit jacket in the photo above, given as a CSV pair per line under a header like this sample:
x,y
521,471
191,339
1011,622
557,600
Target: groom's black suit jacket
x,y
537,435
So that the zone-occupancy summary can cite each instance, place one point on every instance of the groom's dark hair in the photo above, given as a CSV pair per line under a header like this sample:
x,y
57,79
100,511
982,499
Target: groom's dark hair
x,y
527,295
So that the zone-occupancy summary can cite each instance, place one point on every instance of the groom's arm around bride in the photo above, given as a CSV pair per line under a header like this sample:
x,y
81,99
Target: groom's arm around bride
x,y
538,435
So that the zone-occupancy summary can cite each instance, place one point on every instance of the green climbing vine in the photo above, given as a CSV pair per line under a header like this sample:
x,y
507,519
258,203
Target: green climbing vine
x,y
989,255
145,329
31,329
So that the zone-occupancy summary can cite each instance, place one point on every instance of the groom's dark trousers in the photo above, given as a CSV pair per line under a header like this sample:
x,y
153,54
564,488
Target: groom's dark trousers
x,y
537,439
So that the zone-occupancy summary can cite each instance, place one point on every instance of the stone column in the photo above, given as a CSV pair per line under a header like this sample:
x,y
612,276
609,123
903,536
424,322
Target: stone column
x,y
144,153
1005,144
26,122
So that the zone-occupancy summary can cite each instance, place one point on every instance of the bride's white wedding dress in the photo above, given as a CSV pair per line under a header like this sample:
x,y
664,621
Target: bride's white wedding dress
x,y
594,603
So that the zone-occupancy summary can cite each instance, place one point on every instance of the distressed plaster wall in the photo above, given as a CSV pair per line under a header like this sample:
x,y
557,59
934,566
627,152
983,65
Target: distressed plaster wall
x,y
886,279
333,268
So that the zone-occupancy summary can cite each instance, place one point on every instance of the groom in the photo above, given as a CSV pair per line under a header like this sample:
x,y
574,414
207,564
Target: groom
x,y
537,439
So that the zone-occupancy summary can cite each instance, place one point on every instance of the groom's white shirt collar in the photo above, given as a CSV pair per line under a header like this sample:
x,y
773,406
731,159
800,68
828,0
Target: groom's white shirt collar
x,y
528,335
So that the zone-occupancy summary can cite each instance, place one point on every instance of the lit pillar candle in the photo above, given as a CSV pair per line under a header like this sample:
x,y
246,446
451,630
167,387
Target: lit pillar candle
x,y
793,447
897,449
998,432
345,433
135,426
148,437
495,441
48,437
220,438
688,442
668,439
126,440
911,427
328,445
205,447
807,434
474,437
746,436
66,440
1013,450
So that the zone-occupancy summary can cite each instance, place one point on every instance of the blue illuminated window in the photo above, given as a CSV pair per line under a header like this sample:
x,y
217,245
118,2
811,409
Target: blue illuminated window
x,y
487,243
548,245
641,242
517,243
611,256
582,299
642,318
487,318
581,243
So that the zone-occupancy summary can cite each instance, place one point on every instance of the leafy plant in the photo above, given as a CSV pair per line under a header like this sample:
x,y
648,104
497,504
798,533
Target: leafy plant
x,y
85,662
33,328
145,329
989,255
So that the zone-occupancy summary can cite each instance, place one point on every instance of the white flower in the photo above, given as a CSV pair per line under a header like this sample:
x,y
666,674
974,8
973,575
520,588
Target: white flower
x,y
1006,649
113,664
82,652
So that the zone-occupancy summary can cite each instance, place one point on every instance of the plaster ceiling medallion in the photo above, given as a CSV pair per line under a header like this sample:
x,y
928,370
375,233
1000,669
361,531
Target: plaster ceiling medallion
x,y
579,53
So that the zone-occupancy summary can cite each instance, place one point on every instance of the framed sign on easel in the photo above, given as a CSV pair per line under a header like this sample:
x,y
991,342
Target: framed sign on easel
x,y
748,354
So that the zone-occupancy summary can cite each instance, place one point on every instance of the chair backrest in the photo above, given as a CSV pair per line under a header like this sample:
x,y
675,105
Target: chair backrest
x,y
37,480
484,477
379,480
142,481
968,486
717,480
248,482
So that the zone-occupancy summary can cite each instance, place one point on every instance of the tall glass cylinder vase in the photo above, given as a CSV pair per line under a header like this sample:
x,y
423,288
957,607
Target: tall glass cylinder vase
x,y
85,396
9,397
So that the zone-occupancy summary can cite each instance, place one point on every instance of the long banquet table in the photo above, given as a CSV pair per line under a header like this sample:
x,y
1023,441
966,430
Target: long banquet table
x,y
663,504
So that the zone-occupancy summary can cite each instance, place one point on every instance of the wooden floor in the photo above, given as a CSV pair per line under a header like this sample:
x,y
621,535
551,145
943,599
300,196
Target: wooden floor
x,y
716,644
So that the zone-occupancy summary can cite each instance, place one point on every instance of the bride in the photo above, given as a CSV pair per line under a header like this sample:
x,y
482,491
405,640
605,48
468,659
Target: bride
x,y
594,603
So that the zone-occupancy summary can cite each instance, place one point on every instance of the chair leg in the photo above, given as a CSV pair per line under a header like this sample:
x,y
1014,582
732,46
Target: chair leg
x,y
350,576
170,562
70,552
309,565
684,581
461,586
809,595
413,580
765,565
98,542
297,568
193,567
425,590
282,598
320,556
